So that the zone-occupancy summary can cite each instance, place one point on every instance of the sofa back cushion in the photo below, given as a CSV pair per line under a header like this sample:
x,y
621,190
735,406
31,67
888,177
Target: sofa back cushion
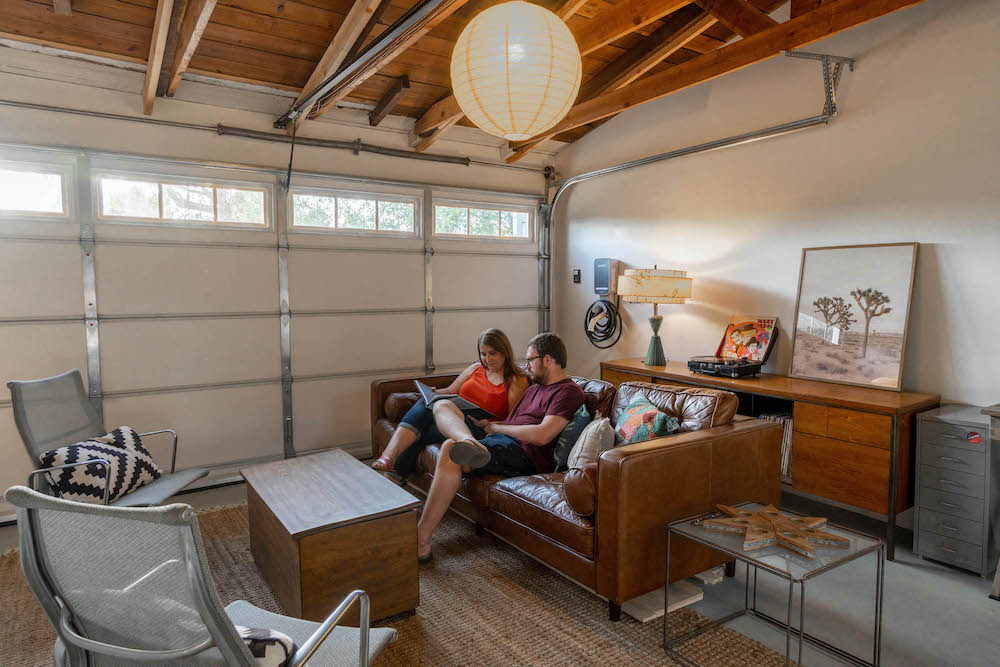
x,y
694,407
600,395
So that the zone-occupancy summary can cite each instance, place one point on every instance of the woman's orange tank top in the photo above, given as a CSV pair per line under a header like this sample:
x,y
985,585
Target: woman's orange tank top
x,y
479,390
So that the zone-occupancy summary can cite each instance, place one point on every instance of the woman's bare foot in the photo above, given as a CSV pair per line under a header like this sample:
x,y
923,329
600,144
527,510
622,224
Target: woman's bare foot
x,y
382,464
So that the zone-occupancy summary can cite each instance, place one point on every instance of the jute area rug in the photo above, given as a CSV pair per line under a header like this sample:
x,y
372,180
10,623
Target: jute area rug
x,y
482,602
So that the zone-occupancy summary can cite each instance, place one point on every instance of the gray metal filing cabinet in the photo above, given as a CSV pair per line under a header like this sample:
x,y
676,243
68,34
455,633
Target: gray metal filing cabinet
x,y
957,492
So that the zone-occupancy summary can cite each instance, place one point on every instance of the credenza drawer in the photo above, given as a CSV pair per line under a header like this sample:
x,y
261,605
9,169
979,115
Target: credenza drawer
x,y
962,483
952,551
862,428
952,504
854,474
949,526
954,435
961,460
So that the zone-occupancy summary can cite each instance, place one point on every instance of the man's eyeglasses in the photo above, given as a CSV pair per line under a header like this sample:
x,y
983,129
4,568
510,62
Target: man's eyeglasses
x,y
530,359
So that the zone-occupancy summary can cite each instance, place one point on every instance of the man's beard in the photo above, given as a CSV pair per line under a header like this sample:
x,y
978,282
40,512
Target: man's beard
x,y
540,378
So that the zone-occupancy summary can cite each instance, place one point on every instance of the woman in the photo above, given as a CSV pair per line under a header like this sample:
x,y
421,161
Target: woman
x,y
494,383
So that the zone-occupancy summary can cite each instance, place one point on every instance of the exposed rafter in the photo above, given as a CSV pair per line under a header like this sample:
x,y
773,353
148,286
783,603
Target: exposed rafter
x,y
389,101
420,144
568,8
800,7
62,7
739,16
196,15
345,38
157,43
830,18
367,30
622,19
404,33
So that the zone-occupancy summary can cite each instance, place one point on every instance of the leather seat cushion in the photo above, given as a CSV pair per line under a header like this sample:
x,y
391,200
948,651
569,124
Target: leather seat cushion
x,y
539,503
476,487
696,408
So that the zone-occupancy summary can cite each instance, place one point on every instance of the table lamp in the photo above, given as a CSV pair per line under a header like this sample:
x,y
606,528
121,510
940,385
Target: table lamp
x,y
654,286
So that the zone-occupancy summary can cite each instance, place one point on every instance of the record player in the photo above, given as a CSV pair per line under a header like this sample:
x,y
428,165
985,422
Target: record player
x,y
744,348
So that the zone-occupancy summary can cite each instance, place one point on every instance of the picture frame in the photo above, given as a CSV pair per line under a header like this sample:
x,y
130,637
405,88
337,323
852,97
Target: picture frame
x,y
844,330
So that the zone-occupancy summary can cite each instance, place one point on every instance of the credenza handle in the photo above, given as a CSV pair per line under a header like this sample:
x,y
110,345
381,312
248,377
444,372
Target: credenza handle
x,y
951,437
947,527
951,460
944,504
950,483
948,549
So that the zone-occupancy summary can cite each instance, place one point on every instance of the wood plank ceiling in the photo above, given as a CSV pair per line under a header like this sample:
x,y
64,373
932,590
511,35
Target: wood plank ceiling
x,y
625,44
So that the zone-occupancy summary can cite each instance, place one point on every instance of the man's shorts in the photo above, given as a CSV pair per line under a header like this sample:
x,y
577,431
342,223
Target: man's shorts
x,y
507,457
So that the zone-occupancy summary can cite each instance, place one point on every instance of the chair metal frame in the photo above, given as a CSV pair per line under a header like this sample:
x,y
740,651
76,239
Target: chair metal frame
x,y
33,564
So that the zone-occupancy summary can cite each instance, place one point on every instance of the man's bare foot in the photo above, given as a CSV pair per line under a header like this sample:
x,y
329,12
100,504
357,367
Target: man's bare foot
x,y
470,453
424,553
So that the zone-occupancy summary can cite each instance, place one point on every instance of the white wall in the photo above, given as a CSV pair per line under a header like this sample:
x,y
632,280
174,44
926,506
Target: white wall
x,y
912,157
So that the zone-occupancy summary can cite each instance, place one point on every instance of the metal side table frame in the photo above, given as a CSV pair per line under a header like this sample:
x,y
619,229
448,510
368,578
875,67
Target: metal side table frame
x,y
807,570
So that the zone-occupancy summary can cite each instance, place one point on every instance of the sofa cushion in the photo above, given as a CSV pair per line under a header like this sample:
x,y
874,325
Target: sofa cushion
x,y
474,487
538,502
694,407
397,404
600,395
580,486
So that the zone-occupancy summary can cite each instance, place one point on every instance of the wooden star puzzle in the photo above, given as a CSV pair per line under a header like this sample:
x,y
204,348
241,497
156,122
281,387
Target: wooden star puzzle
x,y
768,526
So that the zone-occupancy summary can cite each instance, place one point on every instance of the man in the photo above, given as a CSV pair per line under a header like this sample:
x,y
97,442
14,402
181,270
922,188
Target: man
x,y
523,444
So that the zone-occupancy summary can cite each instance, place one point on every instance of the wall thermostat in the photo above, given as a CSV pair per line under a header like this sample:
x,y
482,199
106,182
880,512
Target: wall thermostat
x,y
606,276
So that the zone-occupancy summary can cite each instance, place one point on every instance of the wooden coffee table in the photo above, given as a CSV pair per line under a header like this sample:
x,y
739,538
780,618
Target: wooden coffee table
x,y
326,524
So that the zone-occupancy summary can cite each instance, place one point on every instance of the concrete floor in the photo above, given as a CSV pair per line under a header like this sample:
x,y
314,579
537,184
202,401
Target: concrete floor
x,y
932,614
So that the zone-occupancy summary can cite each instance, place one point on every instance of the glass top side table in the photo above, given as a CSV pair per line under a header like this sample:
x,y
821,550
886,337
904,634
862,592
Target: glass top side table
x,y
790,566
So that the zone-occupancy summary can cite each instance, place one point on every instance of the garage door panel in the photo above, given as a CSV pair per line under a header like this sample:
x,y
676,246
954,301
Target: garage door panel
x,y
334,412
41,279
163,279
351,343
324,280
455,334
35,351
145,354
213,425
462,280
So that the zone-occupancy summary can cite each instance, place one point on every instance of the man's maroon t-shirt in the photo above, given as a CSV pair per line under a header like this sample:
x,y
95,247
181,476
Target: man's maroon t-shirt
x,y
561,399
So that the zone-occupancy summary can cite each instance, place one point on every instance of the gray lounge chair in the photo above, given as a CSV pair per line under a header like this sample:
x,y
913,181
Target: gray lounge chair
x,y
130,586
56,411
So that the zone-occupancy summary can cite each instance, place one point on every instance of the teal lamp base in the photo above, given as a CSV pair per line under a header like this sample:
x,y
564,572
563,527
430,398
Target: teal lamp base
x,y
654,355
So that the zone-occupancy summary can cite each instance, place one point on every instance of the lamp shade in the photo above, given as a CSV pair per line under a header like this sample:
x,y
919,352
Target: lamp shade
x,y
516,70
654,286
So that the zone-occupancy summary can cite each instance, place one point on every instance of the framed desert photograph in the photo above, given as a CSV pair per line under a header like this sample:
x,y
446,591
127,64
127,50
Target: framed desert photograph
x,y
852,313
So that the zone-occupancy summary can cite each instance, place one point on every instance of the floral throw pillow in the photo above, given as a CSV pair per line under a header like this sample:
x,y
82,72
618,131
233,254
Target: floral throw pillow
x,y
641,421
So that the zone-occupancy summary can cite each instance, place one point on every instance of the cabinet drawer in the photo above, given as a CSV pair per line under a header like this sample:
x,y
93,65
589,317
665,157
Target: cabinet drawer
x,y
952,504
859,427
948,550
857,475
960,460
949,526
953,435
962,483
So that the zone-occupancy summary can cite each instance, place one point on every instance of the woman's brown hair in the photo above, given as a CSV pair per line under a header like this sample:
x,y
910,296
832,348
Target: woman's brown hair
x,y
498,341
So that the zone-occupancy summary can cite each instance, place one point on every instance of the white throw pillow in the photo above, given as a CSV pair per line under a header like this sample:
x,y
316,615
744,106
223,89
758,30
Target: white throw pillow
x,y
596,438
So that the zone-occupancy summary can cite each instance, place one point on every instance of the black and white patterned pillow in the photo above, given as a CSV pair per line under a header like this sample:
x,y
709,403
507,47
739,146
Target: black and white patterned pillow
x,y
131,467
269,648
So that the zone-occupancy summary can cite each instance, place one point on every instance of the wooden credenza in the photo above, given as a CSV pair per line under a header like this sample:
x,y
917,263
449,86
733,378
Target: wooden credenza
x,y
851,445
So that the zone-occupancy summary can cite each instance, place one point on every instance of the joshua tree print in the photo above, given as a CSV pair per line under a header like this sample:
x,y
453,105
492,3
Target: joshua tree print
x,y
872,304
836,313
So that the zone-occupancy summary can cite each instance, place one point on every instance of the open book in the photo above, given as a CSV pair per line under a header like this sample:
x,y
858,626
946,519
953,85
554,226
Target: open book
x,y
469,409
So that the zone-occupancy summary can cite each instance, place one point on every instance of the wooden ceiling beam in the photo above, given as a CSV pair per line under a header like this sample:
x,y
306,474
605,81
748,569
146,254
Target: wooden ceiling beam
x,y
377,58
196,15
345,38
565,9
739,16
391,99
62,7
622,19
373,20
441,113
800,7
157,43
420,144
831,17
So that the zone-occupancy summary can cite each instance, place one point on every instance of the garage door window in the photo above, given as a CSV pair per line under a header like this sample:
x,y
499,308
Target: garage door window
x,y
173,202
31,191
354,213
482,221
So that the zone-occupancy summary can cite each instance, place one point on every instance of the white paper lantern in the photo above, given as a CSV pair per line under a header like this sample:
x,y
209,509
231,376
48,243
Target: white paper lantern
x,y
516,70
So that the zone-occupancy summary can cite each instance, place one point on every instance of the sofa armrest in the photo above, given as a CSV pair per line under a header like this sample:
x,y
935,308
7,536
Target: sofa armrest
x,y
382,388
645,486
580,487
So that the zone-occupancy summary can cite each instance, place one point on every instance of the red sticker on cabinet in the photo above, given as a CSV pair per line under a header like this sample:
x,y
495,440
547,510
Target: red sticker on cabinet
x,y
974,437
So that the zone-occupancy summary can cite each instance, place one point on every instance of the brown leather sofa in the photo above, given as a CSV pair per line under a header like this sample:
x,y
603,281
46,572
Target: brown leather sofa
x,y
605,526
